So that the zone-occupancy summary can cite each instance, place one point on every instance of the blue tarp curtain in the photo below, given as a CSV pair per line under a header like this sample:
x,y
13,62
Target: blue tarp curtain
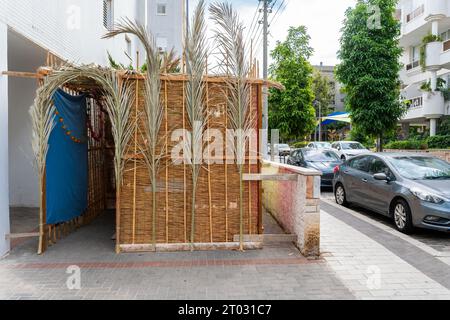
x,y
67,160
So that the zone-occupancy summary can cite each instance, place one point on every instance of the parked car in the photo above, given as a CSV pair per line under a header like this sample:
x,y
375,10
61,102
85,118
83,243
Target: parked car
x,y
322,160
282,150
414,190
319,145
349,149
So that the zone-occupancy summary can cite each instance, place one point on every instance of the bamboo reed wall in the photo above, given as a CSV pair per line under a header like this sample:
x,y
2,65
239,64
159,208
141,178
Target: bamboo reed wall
x,y
217,209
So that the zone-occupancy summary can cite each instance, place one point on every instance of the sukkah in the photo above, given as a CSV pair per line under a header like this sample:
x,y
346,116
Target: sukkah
x,y
192,199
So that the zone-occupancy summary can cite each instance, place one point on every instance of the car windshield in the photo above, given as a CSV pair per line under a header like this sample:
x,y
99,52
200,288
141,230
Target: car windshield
x,y
421,168
323,145
320,156
352,146
283,146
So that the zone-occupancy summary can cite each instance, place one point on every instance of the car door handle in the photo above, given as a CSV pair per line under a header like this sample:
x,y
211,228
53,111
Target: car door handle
x,y
364,180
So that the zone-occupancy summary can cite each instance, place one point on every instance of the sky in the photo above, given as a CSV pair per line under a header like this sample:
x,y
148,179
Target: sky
x,y
323,18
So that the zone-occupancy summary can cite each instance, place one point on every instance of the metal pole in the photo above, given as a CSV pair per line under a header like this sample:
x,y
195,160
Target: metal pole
x,y
320,122
265,115
187,16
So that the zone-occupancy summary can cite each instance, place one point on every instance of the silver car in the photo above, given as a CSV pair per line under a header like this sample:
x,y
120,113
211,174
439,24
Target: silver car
x,y
413,190
319,145
349,149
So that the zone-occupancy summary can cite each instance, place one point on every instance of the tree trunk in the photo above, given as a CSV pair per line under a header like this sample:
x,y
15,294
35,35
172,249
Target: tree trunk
x,y
380,143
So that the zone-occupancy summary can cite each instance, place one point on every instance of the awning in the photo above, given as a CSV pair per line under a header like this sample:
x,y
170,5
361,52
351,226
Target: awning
x,y
336,117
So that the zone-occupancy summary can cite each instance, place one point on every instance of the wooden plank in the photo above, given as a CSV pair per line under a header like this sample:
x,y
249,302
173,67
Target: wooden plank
x,y
260,189
189,247
268,238
22,235
18,74
270,177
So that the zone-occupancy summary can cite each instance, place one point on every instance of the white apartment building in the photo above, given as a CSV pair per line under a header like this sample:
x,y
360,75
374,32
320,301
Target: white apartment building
x,y
70,30
420,18
338,104
165,18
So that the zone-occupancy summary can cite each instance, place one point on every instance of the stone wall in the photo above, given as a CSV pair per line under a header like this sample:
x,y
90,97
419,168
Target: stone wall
x,y
295,204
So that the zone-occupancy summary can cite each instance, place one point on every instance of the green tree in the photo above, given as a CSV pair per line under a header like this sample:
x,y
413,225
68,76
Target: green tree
x,y
291,110
323,93
370,56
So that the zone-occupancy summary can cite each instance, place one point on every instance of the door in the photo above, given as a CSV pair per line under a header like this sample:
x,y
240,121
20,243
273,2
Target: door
x,y
356,179
380,192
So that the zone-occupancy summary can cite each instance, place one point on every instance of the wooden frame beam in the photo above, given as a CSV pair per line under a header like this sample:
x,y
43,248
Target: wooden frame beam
x,y
270,177
22,235
18,74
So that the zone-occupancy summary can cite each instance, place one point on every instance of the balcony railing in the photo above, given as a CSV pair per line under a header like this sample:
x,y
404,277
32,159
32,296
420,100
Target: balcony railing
x,y
416,103
419,11
412,65
446,45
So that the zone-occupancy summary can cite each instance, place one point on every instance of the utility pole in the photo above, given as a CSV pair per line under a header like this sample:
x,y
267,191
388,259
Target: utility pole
x,y
265,120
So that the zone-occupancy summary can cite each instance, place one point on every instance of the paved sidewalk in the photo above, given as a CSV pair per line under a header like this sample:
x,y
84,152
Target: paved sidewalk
x,y
371,262
360,260
277,272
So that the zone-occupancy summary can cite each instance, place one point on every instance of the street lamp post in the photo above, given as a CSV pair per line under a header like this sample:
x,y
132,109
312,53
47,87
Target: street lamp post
x,y
315,104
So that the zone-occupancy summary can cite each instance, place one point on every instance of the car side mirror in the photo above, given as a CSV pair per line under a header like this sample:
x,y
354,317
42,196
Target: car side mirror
x,y
381,177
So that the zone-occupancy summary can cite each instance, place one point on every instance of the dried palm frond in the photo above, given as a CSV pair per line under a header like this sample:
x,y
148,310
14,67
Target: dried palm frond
x,y
118,101
170,62
42,118
154,109
196,55
230,39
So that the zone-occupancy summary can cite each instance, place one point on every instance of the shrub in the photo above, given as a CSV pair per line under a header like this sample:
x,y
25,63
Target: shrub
x,y
439,142
407,145
444,126
300,145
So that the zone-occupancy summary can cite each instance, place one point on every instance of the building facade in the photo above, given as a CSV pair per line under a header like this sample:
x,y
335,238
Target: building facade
x,y
165,19
71,30
427,69
337,94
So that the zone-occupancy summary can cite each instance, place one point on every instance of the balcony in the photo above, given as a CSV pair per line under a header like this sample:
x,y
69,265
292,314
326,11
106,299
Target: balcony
x,y
417,23
416,13
427,105
436,9
433,55
433,104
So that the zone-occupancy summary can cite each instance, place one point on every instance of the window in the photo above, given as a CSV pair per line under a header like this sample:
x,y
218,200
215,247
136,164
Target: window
x,y
161,9
128,46
108,14
378,166
360,163
415,54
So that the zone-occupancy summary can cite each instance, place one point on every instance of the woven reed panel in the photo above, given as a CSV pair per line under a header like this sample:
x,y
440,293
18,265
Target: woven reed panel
x,y
217,218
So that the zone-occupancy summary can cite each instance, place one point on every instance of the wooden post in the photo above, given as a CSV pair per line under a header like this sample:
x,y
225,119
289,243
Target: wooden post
x,y
167,167
135,163
43,214
184,167
209,165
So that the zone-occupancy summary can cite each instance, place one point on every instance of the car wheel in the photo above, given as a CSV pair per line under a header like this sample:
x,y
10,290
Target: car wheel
x,y
402,216
340,196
